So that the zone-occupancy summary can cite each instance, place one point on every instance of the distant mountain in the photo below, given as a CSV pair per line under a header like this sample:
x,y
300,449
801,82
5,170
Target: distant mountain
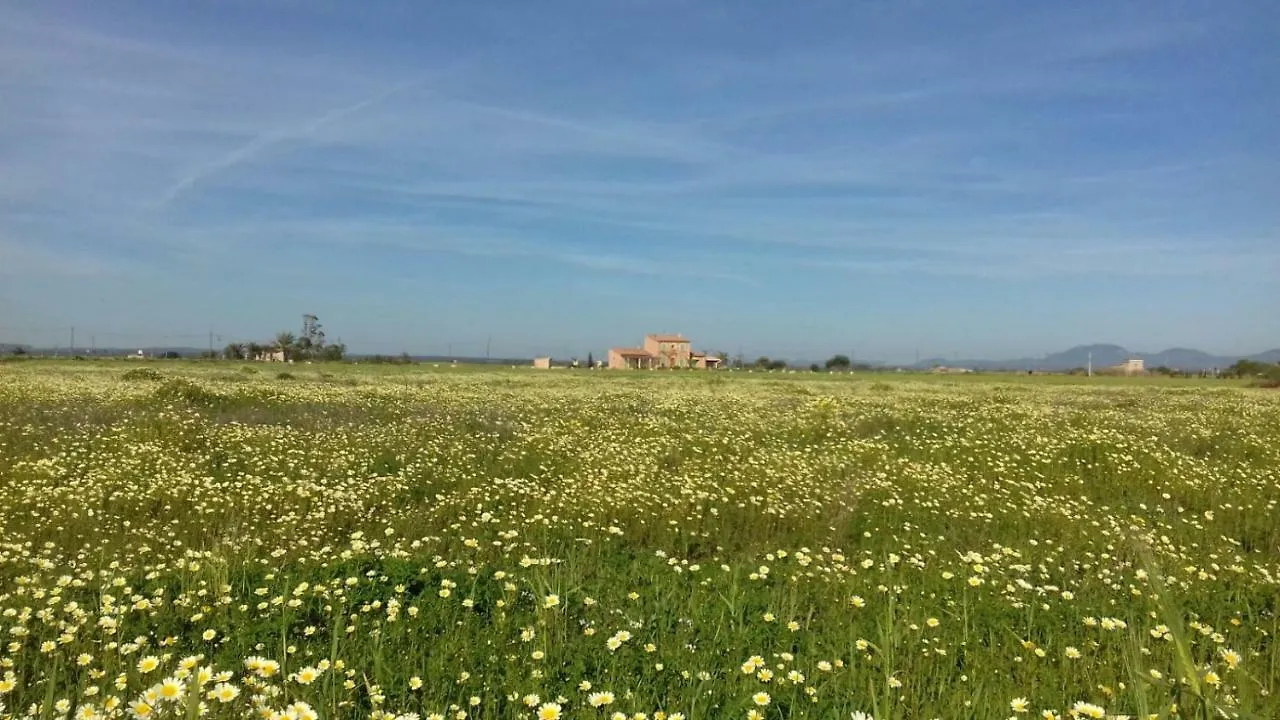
x,y
1105,355
1271,356
1186,359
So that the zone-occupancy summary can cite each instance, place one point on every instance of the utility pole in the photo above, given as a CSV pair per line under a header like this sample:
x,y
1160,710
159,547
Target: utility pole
x,y
93,344
488,343
210,343
73,341
1090,363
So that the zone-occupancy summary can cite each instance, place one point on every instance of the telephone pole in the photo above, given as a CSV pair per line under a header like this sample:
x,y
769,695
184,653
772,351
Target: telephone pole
x,y
73,342
488,343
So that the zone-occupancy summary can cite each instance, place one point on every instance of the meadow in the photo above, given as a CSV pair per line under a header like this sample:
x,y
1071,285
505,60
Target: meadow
x,y
179,540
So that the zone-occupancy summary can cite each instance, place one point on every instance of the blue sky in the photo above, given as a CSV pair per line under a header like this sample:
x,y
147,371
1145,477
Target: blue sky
x,y
794,179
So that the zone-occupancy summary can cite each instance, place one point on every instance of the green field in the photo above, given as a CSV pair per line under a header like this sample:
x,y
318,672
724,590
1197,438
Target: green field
x,y
192,539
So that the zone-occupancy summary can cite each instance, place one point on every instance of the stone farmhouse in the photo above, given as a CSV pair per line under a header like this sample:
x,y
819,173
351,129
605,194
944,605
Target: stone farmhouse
x,y
661,352
1132,366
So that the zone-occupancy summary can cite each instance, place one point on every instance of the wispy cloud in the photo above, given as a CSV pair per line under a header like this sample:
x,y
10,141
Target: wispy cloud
x,y
1058,142
1153,261
23,260
266,140
423,239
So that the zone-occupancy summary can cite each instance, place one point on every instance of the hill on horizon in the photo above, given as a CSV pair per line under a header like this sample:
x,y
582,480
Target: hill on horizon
x,y
1104,355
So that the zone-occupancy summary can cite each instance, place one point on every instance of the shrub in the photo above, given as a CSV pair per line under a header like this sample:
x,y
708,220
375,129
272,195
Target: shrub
x,y
142,374
189,393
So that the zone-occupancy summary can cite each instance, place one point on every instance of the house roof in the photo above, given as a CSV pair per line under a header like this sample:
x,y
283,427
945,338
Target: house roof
x,y
668,338
631,352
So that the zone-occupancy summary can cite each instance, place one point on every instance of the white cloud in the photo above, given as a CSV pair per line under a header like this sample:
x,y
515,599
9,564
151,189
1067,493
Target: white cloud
x,y
831,154
264,141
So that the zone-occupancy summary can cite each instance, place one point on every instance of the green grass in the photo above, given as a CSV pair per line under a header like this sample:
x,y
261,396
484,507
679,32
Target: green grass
x,y
902,546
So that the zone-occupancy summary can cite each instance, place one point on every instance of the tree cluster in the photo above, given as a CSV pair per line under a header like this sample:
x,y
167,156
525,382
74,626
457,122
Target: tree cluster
x,y
401,359
1267,374
1166,371
764,363
309,345
839,362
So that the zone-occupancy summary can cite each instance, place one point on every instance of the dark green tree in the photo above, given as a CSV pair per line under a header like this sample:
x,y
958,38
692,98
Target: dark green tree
x,y
839,362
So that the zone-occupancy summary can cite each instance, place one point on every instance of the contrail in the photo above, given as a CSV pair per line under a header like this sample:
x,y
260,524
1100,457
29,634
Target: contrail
x,y
262,142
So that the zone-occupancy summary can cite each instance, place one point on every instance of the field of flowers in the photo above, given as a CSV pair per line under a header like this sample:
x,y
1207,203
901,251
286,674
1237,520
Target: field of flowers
x,y
183,541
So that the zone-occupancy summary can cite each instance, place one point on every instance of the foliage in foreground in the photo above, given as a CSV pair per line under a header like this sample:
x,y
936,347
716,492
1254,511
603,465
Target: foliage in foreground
x,y
516,545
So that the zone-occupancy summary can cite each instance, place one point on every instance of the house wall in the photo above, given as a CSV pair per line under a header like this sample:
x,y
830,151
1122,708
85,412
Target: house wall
x,y
542,363
618,361
670,354
663,353
1135,366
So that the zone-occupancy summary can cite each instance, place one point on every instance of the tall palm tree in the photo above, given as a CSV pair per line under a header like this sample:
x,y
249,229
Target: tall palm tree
x,y
285,342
